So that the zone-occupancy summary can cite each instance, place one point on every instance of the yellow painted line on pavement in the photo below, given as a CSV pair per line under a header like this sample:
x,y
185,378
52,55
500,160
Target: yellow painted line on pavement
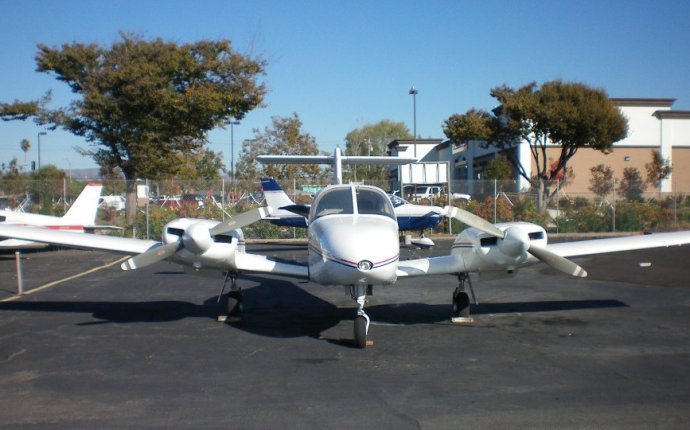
x,y
60,281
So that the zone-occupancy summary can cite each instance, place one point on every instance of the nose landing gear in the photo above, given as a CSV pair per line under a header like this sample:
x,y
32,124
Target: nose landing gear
x,y
361,326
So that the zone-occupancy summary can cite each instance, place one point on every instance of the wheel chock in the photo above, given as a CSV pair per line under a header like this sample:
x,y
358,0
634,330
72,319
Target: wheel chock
x,y
462,320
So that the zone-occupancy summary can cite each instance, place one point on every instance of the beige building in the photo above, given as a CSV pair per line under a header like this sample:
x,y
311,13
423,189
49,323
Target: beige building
x,y
652,125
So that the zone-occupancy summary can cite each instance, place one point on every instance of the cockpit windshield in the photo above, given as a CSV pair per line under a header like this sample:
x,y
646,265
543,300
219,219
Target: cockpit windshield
x,y
370,201
339,201
334,201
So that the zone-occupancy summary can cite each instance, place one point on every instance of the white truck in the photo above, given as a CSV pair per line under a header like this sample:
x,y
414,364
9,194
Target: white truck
x,y
430,192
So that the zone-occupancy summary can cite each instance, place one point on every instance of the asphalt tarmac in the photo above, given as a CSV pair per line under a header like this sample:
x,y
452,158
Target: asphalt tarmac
x,y
143,349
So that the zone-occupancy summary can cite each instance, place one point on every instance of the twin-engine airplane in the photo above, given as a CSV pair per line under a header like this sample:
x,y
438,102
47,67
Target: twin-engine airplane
x,y
81,216
409,216
352,242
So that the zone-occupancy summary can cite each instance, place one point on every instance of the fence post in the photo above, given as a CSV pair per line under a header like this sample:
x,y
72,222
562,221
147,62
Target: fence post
x,y
20,280
147,208
64,195
613,205
495,198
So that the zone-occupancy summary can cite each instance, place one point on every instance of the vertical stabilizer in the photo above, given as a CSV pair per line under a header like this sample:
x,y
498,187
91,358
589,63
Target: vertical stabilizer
x,y
275,196
83,210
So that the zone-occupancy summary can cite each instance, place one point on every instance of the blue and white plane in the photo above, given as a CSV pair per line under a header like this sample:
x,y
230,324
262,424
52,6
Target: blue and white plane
x,y
411,217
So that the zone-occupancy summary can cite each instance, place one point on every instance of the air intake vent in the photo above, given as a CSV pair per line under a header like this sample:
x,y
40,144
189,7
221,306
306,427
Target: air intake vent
x,y
536,235
488,241
175,231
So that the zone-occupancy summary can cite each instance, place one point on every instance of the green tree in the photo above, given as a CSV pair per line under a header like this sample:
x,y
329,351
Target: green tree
x,y
500,169
284,137
47,187
372,139
202,164
145,103
657,170
25,145
18,110
632,185
568,115
601,183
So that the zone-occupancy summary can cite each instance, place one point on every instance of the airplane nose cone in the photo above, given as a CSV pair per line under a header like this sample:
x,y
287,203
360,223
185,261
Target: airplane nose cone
x,y
361,252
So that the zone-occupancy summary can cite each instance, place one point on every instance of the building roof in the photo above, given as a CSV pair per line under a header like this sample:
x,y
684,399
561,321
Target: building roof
x,y
401,142
672,114
642,102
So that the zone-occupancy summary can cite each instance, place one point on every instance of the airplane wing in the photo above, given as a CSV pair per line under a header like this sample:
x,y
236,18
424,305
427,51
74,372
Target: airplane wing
x,y
618,244
450,264
261,264
430,266
78,240
244,262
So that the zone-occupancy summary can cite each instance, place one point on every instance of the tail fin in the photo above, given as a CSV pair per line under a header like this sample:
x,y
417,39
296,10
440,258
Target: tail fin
x,y
83,210
275,196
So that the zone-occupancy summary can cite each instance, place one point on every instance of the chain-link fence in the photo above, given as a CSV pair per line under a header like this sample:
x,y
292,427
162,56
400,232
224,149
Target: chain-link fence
x,y
158,202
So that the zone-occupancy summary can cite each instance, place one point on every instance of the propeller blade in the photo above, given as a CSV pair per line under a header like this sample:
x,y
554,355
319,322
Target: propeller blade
x,y
240,220
557,262
473,220
151,256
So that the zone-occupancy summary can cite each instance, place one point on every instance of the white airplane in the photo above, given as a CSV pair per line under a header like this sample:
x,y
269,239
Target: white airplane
x,y
409,216
352,242
79,217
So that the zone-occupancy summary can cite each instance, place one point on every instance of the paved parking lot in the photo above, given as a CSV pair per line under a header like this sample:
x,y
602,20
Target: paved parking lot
x,y
114,349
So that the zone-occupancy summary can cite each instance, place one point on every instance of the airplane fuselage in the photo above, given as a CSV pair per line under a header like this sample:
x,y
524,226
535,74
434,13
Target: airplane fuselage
x,y
355,245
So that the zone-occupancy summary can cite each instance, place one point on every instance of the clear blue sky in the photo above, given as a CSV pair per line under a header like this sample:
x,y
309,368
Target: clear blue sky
x,y
342,64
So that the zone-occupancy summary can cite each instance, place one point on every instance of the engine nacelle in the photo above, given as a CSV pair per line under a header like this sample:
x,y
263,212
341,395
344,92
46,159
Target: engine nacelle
x,y
200,249
484,252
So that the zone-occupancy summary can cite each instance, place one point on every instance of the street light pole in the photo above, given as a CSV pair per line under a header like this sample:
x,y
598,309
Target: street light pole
x,y
413,92
42,133
232,149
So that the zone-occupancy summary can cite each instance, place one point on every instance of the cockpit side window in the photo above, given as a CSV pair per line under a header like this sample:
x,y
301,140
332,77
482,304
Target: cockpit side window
x,y
336,201
374,203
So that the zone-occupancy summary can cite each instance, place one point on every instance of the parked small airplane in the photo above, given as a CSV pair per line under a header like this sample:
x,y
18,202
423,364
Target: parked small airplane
x,y
409,216
352,242
79,217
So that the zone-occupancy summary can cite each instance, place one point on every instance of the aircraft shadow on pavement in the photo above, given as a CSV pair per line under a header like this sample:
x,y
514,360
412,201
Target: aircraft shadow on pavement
x,y
119,312
279,308
421,313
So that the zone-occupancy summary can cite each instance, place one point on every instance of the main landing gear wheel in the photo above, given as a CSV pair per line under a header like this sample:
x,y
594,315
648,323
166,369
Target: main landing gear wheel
x,y
461,304
461,301
234,305
361,323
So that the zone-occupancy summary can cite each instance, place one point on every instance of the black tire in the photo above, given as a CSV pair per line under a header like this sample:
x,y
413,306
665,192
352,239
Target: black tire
x,y
360,332
461,304
235,299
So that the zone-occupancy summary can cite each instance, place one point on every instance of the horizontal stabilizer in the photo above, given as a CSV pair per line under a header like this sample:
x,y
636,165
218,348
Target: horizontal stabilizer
x,y
302,210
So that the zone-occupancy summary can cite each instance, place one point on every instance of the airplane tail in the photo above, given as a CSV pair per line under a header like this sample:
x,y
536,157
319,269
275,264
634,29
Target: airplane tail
x,y
275,196
83,210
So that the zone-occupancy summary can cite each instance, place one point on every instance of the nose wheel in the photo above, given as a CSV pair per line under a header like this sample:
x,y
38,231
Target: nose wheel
x,y
361,325
361,329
